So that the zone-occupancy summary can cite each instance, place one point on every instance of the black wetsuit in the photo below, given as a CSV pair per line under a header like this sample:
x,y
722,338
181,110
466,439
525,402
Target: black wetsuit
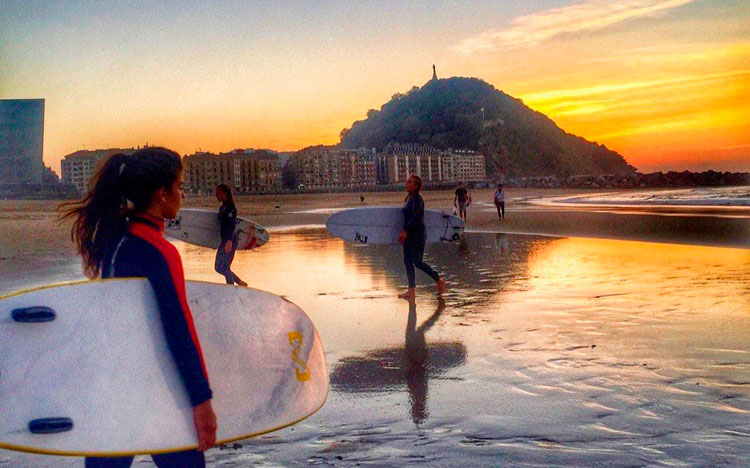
x,y
416,237
227,222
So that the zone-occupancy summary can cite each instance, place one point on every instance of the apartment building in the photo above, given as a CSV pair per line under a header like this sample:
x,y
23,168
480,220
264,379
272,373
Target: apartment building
x,y
397,161
246,171
327,168
463,166
78,168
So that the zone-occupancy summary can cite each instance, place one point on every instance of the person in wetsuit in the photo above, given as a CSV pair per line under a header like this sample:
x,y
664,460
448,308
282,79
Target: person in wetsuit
x,y
227,222
118,228
414,236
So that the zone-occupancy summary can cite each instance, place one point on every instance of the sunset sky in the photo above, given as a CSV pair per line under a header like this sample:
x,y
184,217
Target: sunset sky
x,y
666,83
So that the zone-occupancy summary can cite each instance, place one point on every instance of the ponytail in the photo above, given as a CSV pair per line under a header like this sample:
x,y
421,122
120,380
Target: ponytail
x,y
124,185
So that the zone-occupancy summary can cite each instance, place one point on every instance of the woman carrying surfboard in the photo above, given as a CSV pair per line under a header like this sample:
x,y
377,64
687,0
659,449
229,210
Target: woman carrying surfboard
x,y
227,222
118,228
414,236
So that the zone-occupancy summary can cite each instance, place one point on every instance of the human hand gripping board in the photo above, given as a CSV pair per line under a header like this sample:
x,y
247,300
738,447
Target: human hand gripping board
x,y
382,225
201,227
85,369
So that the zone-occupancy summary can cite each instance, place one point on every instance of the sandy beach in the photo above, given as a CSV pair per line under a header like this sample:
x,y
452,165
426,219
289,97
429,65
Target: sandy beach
x,y
706,225
569,336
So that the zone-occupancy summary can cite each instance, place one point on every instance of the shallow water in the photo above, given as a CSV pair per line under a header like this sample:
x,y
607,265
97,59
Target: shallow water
x,y
698,196
544,352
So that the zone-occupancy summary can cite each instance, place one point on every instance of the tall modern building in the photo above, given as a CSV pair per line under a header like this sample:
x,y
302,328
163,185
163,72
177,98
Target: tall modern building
x,y
21,141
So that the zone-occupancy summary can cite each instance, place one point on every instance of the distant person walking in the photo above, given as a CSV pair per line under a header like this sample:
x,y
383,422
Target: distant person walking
x,y
414,236
462,200
227,222
499,198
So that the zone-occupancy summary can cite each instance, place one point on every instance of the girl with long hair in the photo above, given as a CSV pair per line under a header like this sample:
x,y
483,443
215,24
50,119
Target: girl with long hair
x,y
117,229
227,222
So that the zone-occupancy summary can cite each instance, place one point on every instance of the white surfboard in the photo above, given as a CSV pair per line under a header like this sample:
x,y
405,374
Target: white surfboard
x,y
201,227
98,379
383,224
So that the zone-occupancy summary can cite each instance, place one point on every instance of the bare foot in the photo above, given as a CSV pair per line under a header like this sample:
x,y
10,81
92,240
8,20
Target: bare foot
x,y
441,286
409,294
242,283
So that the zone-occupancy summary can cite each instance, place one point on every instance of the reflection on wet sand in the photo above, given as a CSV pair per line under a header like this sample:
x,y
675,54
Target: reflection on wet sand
x,y
476,267
387,370
547,352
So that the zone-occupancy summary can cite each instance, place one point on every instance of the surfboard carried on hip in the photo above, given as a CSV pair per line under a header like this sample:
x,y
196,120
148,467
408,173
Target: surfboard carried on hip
x,y
382,225
201,227
85,369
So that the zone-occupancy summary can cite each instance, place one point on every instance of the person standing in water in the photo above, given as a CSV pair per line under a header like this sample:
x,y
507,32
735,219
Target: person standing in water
x,y
414,236
118,229
499,198
462,200
227,222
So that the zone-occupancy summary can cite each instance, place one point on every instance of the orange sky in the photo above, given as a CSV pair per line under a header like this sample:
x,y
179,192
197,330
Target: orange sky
x,y
663,82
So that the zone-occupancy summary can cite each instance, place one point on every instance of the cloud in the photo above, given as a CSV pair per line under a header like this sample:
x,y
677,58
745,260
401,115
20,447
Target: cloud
x,y
553,95
586,16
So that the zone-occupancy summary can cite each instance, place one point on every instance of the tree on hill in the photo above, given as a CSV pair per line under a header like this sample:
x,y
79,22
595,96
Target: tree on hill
x,y
468,113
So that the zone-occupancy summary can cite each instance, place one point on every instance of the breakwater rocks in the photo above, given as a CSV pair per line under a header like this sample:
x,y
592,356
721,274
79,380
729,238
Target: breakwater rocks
x,y
635,180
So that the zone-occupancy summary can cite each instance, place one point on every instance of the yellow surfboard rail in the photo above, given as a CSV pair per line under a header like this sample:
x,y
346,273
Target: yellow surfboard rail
x,y
294,340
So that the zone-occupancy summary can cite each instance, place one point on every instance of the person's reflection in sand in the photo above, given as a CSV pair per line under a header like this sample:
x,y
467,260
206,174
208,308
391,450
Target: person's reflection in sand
x,y
416,356
463,244
501,242
410,365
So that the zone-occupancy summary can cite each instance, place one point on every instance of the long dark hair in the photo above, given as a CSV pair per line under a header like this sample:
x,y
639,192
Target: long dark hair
x,y
124,185
228,192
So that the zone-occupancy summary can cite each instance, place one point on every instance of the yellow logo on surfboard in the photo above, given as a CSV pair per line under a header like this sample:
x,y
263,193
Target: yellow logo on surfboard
x,y
300,368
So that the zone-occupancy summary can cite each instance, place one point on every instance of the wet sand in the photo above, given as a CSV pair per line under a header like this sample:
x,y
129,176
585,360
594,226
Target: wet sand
x,y
545,351
29,231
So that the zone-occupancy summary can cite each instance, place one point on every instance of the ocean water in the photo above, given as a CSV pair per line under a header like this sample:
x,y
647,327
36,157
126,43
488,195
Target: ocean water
x,y
700,196
544,352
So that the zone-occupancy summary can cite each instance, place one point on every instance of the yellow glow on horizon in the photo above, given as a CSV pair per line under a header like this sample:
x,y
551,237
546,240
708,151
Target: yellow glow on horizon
x,y
564,255
676,112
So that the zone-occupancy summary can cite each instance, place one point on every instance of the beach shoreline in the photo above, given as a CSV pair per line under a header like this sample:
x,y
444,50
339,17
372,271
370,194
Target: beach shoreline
x,y
31,231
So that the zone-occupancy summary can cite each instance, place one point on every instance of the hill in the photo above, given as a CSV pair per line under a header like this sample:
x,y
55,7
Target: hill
x,y
468,113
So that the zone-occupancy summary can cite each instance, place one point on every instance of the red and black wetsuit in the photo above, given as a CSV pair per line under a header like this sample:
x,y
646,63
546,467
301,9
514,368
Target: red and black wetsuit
x,y
144,252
